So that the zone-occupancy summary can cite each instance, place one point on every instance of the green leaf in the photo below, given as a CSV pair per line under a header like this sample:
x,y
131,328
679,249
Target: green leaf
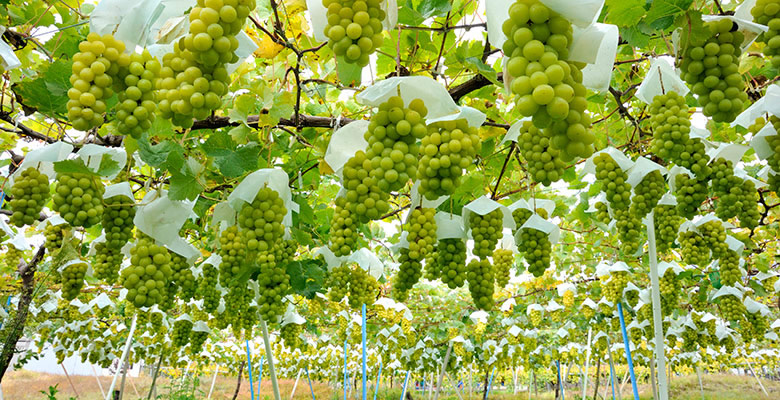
x,y
306,277
715,279
232,160
48,93
108,166
74,166
662,13
635,37
625,12
407,15
483,69
283,106
156,155
434,8
243,106
184,185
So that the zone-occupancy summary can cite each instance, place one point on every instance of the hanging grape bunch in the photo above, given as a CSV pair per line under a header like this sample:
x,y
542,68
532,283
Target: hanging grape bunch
x,y
536,248
78,197
94,70
445,152
521,215
671,124
273,283
233,253
261,221
667,224
451,257
767,12
714,237
711,67
73,279
421,232
392,142
343,229
54,235
354,28
338,282
291,335
285,251
694,249
731,308
486,230
617,282
107,263
602,213
503,260
690,193
207,288
363,288
29,194
613,180
180,335
647,194
365,200
481,278
409,273
545,164
146,278
137,105
737,197
118,214
730,272
432,267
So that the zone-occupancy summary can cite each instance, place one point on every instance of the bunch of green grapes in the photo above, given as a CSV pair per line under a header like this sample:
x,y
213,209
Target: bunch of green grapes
x,y
486,230
737,197
731,308
94,70
207,288
445,152
73,280
392,142
545,164
78,197
613,180
421,232
711,66
568,299
690,194
767,12
521,215
671,126
647,194
753,327
180,335
188,285
354,28
409,273
107,263
118,214
769,283
481,278
29,194
451,257
274,283
146,278
613,289
285,251
363,288
503,260
629,230
233,253
730,273
365,200
54,235
343,229
291,335
237,300
693,249
667,224
432,269
535,317
714,235
669,287
536,249
261,221
197,339
137,106
338,282
602,213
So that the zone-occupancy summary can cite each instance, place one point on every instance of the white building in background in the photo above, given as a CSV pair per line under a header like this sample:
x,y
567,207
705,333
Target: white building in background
x,y
47,363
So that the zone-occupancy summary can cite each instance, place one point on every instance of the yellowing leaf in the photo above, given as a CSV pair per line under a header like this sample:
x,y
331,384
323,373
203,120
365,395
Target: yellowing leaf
x,y
267,48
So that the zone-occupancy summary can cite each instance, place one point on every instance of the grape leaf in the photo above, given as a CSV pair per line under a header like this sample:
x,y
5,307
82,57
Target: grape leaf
x,y
625,12
48,93
184,185
349,74
232,160
434,8
73,166
483,69
157,154
306,277
662,13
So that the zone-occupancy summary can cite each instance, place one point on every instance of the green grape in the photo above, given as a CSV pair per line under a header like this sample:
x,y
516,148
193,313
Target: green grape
x,y
237,301
690,193
667,224
714,235
767,12
754,326
486,230
536,248
365,200
710,65
285,251
249,320
421,232
671,124
29,194
118,214
629,231
481,278
730,272
602,213
291,335
338,282
451,256
521,215
617,282
694,249
78,197
233,253
54,235
392,142
107,263
273,283
432,269
94,70
196,341
669,287
613,180
503,260
180,335
774,144
445,152
137,106
737,197
146,279
409,274
343,230
354,28
261,221
647,194
545,164
73,280
363,288
535,317
188,286
769,284
207,288
731,308
568,299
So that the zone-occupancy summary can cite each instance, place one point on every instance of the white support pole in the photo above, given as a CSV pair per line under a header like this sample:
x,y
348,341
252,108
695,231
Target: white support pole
x,y
587,366
186,371
701,386
123,359
100,385
514,381
756,375
69,380
213,381
660,357
454,385
297,377
269,353
441,373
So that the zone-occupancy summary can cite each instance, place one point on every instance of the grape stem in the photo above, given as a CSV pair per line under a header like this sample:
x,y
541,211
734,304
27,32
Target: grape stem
x,y
503,169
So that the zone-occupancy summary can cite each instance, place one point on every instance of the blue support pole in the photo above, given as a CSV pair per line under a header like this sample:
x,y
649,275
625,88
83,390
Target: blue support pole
x,y
363,333
490,384
560,383
260,376
249,369
345,370
406,380
378,377
311,389
423,385
628,351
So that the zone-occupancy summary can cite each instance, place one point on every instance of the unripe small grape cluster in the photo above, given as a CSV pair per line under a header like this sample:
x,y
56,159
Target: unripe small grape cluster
x,y
568,299
273,283
647,194
207,288
146,279
261,221
365,200
354,28
343,229
451,257
669,287
29,194
291,335
363,288
613,289
481,278
486,230
78,197
118,214
731,308
767,12
535,317
730,272
445,152
107,263
54,235
421,232
338,282
503,260
613,180
602,213
694,249
737,197
409,273
73,280
629,231
180,335
714,235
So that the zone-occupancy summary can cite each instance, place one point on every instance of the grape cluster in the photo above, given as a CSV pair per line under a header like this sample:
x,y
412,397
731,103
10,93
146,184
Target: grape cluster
x,y
714,235
730,272
30,193
146,279
197,339
481,278
629,231
711,67
409,273
486,230
137,106
354,28
536,248
690,193
767,12
535,317
613,180
421,232
602,213
737,197
445,152
647,194
54,235
671,141
392,142
274,283
94,70
568,299
291,335
503,260
667,224
754,326
694,249
338,282
180,335
188,285
669,287
285,251
545,164
613,289
343,229
261,221
118,214
731,308
365,200
233,253
521,215
432,269
73,280
451,257
107,263
207,288
363,288
78,197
